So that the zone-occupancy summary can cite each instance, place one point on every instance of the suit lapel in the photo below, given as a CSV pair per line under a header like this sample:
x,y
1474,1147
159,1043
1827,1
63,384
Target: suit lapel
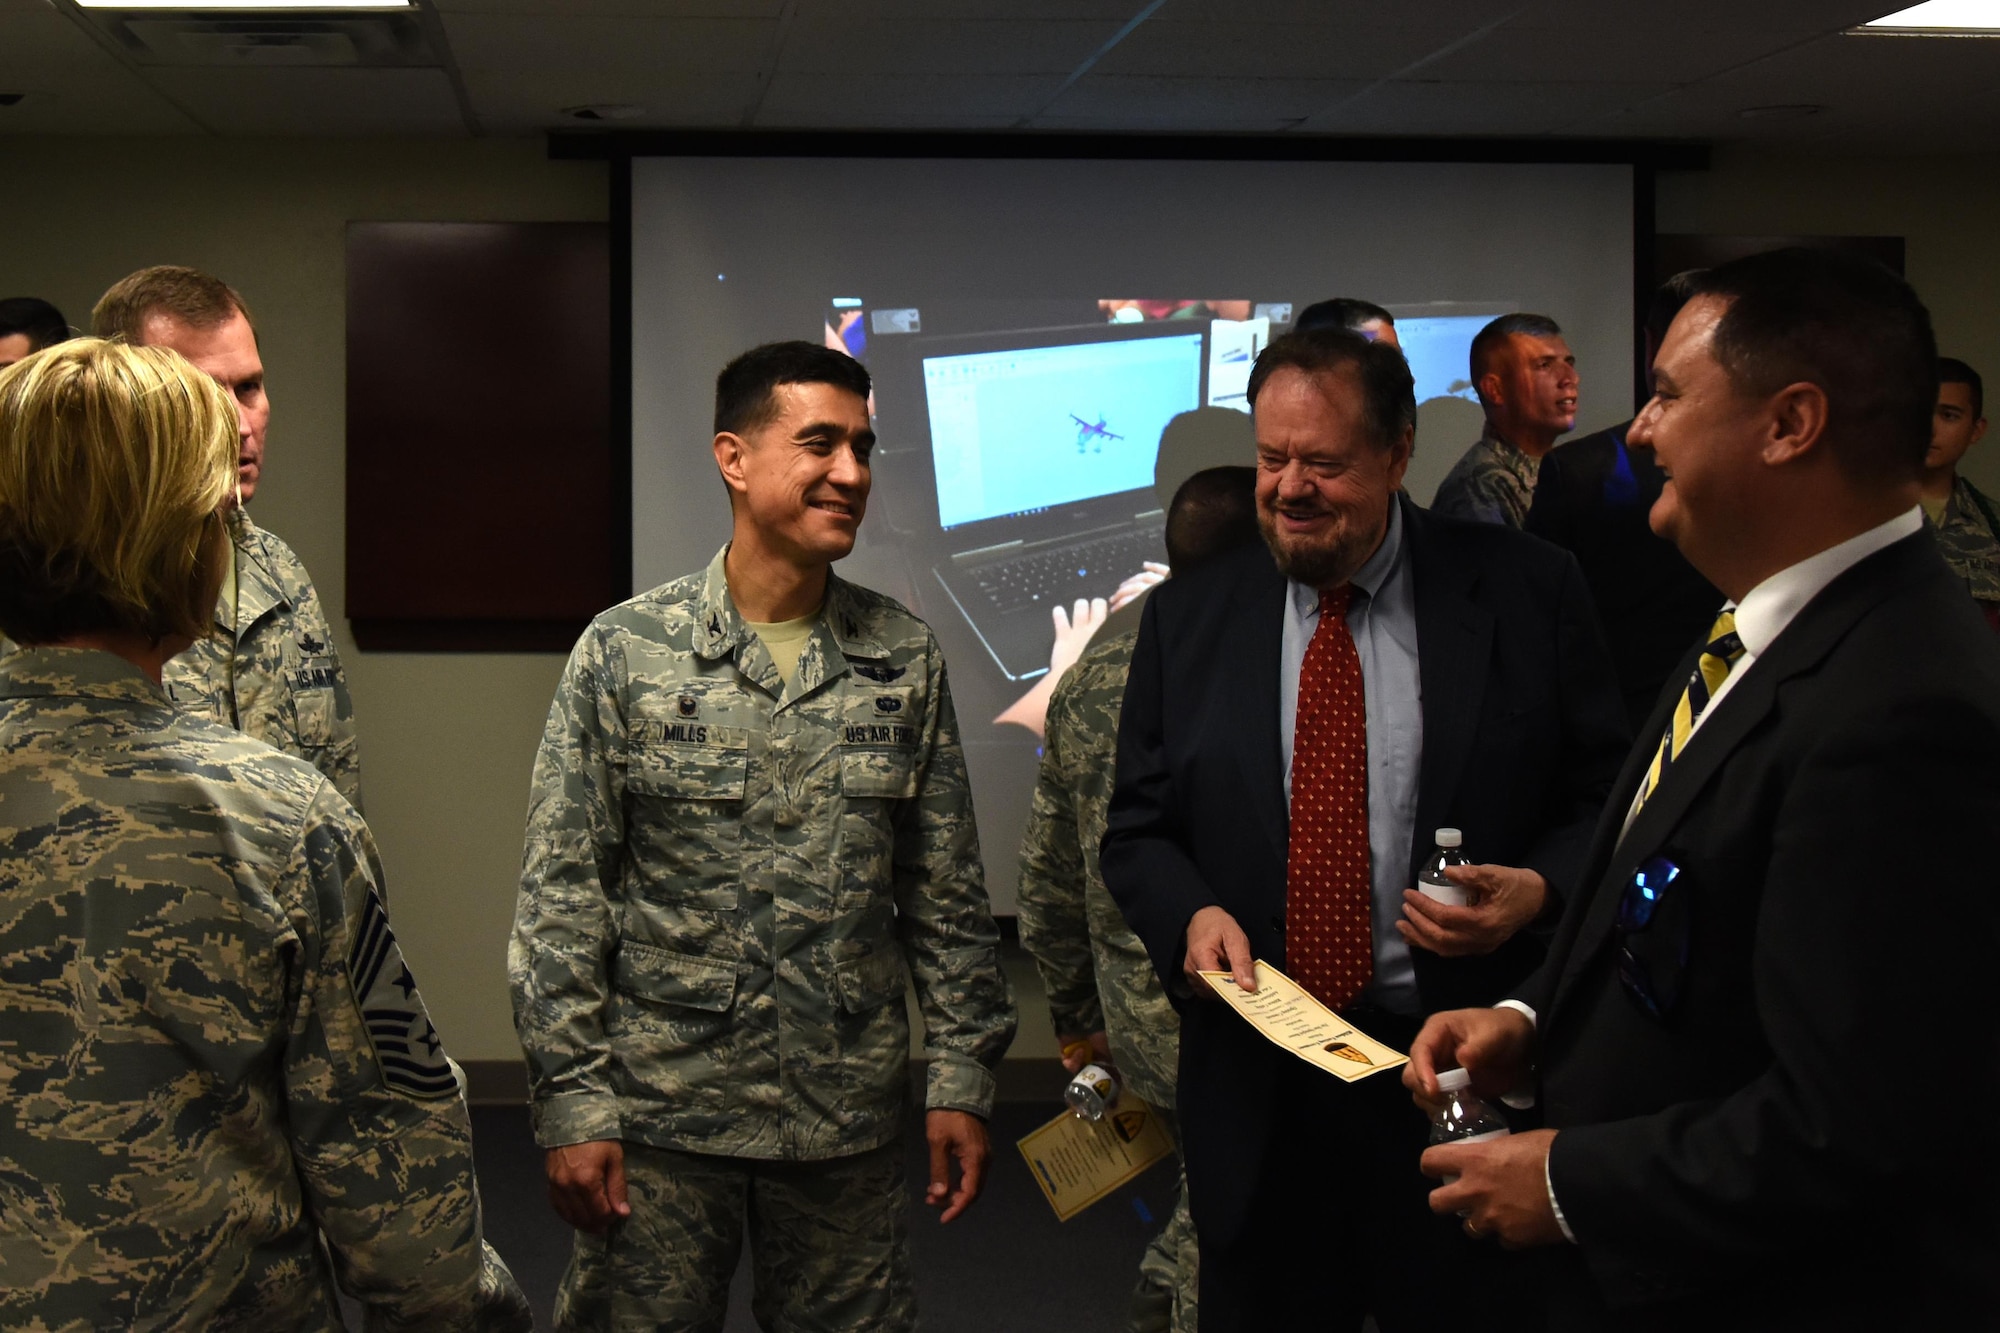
x,y
1257,627
1454,641
1798,650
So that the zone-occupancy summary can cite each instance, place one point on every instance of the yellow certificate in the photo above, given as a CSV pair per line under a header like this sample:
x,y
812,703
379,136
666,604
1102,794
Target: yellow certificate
x,y
1283,1011
1078,1161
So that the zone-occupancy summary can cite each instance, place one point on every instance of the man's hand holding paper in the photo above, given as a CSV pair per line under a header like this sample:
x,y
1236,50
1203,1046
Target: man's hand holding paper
x,y
1215,943
1289,1016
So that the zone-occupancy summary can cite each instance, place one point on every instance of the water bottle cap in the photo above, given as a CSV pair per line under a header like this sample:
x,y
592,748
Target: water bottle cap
x,y
1453,1080
1449,837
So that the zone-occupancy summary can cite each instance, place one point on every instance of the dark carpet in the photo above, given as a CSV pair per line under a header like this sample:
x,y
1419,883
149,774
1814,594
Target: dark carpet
x,y
1006,1266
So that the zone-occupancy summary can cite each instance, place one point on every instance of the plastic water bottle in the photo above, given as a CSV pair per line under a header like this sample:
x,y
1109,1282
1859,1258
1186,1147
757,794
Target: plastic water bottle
x,y
1465,1116
1433,884
1093,1092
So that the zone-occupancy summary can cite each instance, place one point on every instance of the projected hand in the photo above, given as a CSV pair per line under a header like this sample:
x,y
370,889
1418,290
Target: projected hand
x,y
1152,575
1073,633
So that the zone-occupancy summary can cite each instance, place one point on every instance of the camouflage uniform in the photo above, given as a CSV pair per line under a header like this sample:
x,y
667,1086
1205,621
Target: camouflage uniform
x,y
270,669
1969,536
215,1070
1094,968
727,885
1493,483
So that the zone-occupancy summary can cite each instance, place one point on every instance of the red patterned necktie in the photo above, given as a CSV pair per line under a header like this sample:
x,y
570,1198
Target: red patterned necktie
x,y
1329,936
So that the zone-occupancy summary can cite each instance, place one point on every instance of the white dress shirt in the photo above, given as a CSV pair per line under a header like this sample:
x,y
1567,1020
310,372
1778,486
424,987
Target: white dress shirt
x,y
1761,617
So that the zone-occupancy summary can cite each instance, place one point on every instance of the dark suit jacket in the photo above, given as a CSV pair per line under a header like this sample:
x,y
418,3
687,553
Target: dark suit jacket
x,y
1592,497
1523,733
1807,1141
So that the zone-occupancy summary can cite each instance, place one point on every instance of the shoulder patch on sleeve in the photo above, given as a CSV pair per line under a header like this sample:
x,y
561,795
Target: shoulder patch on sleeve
x,y
407,1049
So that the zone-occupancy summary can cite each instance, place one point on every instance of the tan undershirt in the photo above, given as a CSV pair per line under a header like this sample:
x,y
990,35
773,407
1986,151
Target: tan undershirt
x,y
1935,508
785,641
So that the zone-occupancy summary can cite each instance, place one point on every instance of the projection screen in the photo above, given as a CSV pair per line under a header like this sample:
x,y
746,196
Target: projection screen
x,y
1056,344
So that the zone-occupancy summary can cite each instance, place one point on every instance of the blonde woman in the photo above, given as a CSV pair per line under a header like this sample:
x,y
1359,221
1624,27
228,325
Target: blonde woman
x,y
220,1095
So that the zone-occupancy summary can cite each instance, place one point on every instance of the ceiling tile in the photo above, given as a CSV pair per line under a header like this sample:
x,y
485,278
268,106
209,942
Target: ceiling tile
x,y
514,101
1922,93
822,43
1117,12
316,101
858,101
1521,54
1458,16
1172,48
1473,109
116,103
1143,103
1798,17
636,9
531,44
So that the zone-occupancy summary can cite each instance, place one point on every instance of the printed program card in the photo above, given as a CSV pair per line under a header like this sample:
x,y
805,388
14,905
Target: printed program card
x,y
1078,1161
1283,1011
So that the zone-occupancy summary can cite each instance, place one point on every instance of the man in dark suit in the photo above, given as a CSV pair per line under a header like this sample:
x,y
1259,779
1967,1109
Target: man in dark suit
x,y
1762,1033
1299,719
1592,496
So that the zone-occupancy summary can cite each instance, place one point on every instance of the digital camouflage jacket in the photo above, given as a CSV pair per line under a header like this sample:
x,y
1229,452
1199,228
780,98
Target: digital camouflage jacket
x,y
1093,966
270,670
729,884
212,1057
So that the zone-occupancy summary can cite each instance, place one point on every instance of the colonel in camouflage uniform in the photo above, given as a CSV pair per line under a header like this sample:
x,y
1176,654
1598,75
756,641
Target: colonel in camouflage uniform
x,y
1968,527
270,668
1102,988
1526,379
749,831
218,1071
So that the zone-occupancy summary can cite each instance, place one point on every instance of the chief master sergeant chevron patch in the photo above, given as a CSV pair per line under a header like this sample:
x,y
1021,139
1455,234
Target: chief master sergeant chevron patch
x,y
407,1049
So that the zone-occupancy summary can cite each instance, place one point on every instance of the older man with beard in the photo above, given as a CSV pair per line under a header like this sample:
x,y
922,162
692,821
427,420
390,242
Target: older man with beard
x,y
1299,721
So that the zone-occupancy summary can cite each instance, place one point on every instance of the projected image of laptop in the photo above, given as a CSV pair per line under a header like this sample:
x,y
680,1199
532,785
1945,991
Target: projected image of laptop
x,y
1043,452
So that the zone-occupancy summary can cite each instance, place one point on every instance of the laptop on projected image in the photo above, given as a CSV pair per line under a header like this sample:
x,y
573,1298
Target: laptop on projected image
x,y
1043,444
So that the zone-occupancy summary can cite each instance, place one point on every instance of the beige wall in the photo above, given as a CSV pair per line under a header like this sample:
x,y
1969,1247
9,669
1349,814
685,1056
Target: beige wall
x,y
447,740
1945,206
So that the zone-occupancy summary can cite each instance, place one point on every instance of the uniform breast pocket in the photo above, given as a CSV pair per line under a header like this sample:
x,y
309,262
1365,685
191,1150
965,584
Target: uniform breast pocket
x,y
887,773
684,823
319,700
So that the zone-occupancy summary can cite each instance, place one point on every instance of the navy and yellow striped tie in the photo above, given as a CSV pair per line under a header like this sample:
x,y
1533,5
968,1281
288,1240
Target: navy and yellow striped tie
x,y
1717,659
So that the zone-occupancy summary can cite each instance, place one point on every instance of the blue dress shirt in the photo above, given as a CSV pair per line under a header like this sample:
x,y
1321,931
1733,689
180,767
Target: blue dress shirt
x,y
1383,620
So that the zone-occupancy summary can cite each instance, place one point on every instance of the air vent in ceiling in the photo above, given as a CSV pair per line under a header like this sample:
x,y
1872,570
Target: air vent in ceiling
x,y
269,39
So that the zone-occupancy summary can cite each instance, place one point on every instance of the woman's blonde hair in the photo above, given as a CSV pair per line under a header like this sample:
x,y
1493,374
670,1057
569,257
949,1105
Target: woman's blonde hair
x,y
114,465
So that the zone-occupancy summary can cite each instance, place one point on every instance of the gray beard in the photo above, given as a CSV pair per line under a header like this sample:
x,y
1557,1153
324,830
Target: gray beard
x,y
1320,567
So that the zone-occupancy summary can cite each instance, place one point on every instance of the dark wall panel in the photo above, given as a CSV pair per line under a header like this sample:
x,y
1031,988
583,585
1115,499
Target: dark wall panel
x,y
484,509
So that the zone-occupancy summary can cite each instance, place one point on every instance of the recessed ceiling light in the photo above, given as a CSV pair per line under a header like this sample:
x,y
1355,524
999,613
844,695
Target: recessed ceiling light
x,y
1967,16
192,6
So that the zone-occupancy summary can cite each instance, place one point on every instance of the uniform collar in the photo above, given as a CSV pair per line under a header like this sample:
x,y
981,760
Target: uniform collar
x,y
76,673
258,588
721,630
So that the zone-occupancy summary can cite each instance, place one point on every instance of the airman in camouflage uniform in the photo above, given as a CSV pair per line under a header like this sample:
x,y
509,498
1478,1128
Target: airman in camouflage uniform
x,y
1525,376
1969,537
1095,970
217,1069
732,875
270,670
1492,483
